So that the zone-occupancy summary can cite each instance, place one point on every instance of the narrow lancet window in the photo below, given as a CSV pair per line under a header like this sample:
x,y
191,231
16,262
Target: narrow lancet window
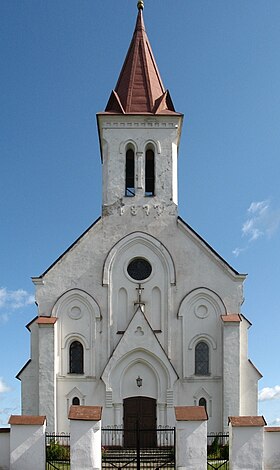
x,y
150,173
202,358
76,358
130,173
203,402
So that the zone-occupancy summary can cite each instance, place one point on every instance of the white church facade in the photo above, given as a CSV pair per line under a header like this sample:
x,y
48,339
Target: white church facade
x,y
140,314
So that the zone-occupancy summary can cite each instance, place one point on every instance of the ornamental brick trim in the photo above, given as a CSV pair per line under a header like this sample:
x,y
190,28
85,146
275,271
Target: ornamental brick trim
x,y
247,421
27,420
85,413
46,320
231,318
272,429
3,430
190,413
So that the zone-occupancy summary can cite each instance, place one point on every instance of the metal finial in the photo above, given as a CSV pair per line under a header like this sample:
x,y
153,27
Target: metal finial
x,y
140,5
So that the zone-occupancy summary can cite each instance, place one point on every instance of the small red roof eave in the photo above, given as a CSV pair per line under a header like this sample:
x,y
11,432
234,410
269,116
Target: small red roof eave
x,y
247,421
27,420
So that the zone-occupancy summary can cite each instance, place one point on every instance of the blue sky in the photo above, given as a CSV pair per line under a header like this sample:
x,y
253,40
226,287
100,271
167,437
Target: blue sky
x,y
221,62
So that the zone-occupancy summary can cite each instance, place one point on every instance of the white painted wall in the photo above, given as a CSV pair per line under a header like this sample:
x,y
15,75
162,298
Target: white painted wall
x,y
191,445
4,449
246,448
91,294
272,448
27,447
85,445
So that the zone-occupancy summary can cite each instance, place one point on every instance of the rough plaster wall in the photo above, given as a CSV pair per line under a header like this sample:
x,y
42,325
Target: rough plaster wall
x,y
191,445
5,450
272,450
231,398
30,378
249,376
47,382
27,447
246,448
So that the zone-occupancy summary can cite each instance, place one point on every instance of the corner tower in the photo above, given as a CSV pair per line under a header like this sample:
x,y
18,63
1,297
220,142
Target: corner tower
x,y
139,134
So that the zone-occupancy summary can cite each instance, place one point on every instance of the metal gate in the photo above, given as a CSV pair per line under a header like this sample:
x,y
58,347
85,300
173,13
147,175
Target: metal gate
x,y
57,451
141,454
218,451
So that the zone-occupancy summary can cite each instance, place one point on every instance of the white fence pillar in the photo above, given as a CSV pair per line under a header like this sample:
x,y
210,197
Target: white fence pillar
x,y
85,437
191,437
246,442
4,448
27,442
272,448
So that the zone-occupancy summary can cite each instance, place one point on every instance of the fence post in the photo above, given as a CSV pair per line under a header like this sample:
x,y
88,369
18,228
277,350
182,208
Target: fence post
x,y
246,442
191,437
85,437
27,442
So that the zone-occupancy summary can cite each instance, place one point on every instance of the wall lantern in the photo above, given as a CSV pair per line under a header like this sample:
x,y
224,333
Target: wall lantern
x,y
139,381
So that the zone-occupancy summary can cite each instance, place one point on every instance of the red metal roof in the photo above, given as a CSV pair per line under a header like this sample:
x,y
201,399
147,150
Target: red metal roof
x,y
24,419
249,421
85,413
139,89
190,413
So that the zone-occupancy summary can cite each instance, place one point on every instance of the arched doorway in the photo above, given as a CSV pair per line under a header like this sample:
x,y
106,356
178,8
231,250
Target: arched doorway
x,y
141,412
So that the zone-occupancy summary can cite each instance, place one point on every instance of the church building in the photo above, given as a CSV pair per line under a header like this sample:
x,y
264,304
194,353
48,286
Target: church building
x,y
139,314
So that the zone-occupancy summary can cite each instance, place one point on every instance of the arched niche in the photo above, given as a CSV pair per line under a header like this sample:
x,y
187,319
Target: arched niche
x,y
148,241
122,286
79,318
201,311
157,376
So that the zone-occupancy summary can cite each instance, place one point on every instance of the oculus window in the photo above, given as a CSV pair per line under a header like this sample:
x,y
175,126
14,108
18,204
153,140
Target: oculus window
x,y
139,269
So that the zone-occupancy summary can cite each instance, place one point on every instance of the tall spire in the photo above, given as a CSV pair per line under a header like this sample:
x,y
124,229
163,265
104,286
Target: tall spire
x,y
139,88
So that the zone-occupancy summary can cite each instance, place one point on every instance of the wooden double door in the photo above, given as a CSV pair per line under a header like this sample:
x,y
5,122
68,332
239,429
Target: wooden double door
x,y
140,422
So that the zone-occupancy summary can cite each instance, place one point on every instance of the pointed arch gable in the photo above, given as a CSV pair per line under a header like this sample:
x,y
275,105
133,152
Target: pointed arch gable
x,y
75,294
79,320
202,337
117,368
148,240
202,293
200,312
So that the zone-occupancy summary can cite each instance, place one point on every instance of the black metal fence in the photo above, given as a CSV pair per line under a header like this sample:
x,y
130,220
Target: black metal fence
x,y
138,448
218,451
57,451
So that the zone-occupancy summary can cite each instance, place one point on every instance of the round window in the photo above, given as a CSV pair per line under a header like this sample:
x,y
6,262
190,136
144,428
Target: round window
x,y
139,269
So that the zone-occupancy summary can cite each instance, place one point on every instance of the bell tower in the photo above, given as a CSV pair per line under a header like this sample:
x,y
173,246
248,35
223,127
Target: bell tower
x,y
139,134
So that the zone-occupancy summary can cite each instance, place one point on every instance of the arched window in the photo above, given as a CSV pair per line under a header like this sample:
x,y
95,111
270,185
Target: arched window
x,y
130,173
202,358
76,401
150,173
203,402
76,358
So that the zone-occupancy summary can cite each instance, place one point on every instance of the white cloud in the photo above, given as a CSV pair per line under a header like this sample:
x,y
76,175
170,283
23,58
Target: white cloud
x,y
276,422
237,251
269,393
11,300
262,221
3,387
